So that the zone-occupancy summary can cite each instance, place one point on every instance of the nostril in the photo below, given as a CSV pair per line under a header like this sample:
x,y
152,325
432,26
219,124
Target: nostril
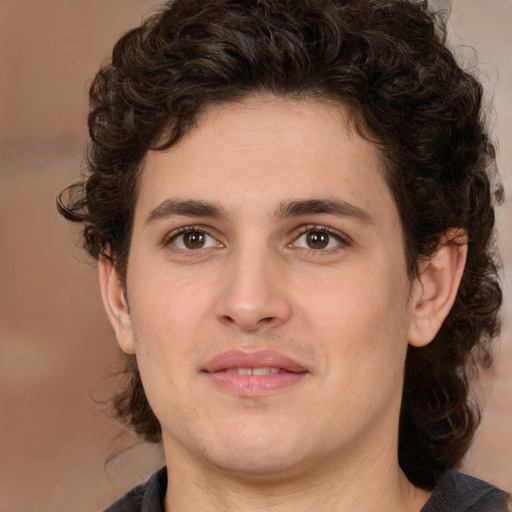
x,y
246,323
226,319
250,309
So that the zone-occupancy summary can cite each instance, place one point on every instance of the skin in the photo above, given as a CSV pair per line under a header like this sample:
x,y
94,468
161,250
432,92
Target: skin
x,y
327,288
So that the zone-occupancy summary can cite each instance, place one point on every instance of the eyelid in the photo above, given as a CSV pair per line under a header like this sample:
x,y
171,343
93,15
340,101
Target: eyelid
x,y
345,240
172,235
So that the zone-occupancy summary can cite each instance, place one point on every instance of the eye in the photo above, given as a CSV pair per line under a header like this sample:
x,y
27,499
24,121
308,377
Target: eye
x,y
319,239
192,240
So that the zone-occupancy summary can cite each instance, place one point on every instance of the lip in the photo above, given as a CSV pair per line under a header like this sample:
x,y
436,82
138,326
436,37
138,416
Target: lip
x,y
290,372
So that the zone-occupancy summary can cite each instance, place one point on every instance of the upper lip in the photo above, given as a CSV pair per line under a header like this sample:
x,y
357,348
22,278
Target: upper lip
x,y
259,359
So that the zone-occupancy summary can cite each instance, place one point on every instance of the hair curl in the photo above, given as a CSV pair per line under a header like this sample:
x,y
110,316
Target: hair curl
x,y
384,59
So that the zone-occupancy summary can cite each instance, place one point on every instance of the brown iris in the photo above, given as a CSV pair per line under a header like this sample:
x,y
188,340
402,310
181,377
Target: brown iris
x,y
317,240
194,239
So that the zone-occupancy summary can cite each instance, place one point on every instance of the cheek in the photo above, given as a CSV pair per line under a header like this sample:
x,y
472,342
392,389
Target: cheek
x,y
168,301
361,323
165,348
168,316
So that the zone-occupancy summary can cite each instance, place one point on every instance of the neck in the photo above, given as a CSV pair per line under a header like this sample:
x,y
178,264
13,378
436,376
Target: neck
x,y
374,482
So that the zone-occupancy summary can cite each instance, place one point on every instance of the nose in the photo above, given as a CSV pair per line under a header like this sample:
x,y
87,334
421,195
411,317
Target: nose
x,y
254,293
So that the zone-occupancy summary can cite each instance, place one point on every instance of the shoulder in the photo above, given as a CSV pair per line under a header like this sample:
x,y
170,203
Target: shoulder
x,y
146,497
457,492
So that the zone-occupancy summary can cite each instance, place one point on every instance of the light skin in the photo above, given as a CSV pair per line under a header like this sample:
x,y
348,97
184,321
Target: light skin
x,y
269,229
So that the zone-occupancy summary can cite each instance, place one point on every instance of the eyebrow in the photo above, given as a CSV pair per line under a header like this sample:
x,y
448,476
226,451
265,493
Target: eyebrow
x,y
188,208
295,208
336,207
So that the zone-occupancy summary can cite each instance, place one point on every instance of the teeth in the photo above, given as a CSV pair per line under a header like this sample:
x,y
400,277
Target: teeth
x,y
240,371
265,371
253,371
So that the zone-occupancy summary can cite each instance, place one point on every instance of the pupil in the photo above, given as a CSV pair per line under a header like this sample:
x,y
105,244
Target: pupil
x,y
194,239
317,240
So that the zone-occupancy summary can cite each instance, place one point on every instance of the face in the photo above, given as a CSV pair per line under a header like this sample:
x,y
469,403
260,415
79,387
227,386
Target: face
x,y
267,297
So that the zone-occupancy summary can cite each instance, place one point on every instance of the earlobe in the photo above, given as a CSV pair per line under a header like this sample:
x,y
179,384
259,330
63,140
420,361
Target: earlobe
x,y
435,287
115,303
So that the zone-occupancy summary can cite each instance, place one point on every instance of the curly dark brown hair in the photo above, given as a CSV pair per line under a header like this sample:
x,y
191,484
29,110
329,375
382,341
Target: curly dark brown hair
x,y
385,60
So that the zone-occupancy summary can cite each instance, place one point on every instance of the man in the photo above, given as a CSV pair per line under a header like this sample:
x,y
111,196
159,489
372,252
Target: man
x,y
290,206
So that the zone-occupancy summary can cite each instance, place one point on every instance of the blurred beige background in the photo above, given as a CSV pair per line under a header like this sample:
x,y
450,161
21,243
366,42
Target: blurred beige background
x,y
57,353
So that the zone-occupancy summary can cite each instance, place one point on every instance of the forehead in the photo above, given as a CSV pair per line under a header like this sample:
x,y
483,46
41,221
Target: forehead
x,y
263,151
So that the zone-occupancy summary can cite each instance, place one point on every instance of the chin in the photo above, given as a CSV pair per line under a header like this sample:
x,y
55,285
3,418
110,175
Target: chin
x,y
258,452
259,467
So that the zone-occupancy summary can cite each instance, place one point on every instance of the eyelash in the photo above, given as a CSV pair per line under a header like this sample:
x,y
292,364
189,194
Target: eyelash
x,y
343,240
171,237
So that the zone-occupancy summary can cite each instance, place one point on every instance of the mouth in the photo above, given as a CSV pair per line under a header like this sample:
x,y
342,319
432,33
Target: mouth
x,y
253,374
254,371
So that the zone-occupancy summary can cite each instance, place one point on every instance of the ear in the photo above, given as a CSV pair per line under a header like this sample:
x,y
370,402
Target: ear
x,y
435,287
114,300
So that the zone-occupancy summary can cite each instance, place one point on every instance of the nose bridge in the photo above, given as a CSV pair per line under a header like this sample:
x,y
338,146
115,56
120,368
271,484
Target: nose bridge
x,y
254,292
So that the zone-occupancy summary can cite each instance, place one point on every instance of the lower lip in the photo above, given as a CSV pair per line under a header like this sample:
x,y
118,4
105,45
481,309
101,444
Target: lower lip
x,y
254,385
